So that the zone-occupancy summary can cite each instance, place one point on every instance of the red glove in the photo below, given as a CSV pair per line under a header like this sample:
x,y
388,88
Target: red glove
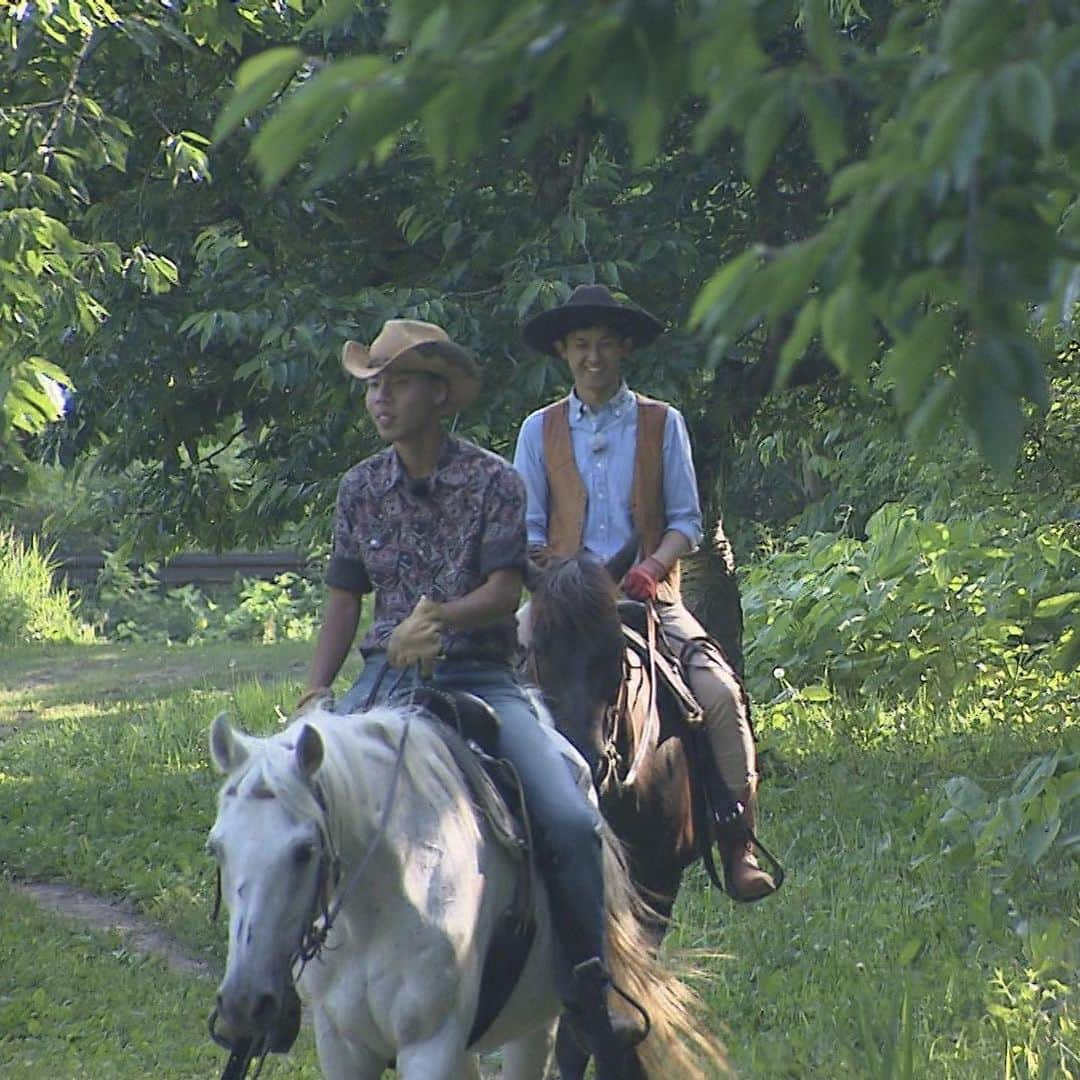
x,y
642,581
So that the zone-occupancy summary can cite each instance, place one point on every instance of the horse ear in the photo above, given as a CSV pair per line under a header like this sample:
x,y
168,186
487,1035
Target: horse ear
x,y
309,750
624,558
227,749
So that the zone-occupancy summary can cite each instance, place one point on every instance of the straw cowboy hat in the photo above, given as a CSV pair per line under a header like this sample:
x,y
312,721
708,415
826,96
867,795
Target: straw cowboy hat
x,y
590,305
411,345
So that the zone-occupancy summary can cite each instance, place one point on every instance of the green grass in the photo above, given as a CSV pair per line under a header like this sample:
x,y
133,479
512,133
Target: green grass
x,y
76,1003
32,608
882,957
871,962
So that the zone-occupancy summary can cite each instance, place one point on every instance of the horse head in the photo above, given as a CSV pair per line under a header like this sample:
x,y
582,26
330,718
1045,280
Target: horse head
x,y
271,848
576,645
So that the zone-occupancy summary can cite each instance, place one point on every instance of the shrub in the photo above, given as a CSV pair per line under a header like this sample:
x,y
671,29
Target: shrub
x,y
32,607
128,604
917,604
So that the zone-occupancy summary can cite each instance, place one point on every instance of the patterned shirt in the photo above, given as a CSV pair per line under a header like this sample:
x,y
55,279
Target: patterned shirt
x,y
439,537
605,441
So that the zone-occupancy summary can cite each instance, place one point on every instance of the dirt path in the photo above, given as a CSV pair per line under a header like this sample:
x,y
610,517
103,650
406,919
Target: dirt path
x,y
142,935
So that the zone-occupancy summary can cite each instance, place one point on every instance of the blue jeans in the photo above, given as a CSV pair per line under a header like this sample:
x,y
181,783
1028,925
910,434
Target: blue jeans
x,y
566,828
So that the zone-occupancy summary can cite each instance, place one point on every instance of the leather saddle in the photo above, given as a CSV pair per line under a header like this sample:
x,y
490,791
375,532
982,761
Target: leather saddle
x,y
676,702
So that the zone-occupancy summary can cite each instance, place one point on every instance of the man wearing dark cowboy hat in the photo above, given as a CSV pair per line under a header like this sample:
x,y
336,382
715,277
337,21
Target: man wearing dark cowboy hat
x,y
435,527
604,463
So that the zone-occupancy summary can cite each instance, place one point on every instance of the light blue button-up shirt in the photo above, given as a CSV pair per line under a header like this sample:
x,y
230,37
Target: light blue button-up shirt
x,y
605,440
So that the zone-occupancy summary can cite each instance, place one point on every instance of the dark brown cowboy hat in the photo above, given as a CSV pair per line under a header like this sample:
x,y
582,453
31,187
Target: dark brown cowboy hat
x,y
590,305
411,345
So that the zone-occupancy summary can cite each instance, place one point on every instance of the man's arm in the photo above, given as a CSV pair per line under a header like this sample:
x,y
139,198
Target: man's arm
x,y
497,598
529,463
682,507
672,547
340,620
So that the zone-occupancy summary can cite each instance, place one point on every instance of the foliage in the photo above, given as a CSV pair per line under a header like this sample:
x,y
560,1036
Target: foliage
x,y
918,604
32,606
825,458
200,317
1031,831
947,238
126,603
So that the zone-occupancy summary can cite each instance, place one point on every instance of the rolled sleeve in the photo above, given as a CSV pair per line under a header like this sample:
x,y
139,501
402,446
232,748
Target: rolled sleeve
x,y
682,505
346,569
529,463
348,574
503,545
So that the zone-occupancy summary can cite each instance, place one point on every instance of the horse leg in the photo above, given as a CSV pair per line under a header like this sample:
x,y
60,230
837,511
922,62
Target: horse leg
x,y
571,1057
443,1057
527,1058
340,1059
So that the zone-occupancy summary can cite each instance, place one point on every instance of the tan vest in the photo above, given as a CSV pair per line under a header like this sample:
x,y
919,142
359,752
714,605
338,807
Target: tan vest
x,y
566,490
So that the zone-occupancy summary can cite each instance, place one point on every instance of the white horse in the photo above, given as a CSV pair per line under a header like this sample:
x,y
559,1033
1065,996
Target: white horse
x,y
368,818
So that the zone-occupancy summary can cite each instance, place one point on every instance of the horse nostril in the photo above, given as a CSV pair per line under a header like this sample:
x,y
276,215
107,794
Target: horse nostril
x,y
265,1009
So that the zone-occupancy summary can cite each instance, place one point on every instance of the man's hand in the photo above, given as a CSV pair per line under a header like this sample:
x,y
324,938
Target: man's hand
x,y
417,639
319,695
642,580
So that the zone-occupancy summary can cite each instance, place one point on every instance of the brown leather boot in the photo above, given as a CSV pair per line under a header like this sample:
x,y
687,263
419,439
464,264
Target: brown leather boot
x,y
743,876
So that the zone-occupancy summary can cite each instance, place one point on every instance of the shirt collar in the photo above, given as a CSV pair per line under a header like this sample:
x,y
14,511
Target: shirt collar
x,y
448,451
616,405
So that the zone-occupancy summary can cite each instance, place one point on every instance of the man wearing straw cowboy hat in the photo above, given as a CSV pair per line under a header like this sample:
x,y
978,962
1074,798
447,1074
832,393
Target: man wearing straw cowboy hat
x,y
435,527
604,463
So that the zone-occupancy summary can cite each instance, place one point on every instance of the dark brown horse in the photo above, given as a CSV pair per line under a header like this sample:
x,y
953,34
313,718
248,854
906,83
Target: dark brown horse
x,y
600,694
579,659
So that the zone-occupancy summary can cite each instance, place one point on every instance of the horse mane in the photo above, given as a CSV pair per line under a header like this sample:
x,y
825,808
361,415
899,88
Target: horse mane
x,y
358,749
576,596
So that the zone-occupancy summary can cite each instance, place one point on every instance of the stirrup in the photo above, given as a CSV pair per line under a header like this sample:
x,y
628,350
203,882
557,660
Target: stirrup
x,y
733,827
592,977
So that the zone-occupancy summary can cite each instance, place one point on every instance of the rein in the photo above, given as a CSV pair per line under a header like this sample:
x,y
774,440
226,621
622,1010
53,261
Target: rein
x,y
315,938
650,733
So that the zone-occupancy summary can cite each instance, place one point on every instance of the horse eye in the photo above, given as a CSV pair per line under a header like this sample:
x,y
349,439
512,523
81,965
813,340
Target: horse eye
x,y
213,848
303,854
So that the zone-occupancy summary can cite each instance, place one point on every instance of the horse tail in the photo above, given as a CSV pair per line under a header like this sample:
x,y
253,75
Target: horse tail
x,y
679,1041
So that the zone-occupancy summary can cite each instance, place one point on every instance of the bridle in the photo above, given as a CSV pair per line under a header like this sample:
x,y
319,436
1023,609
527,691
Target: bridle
x,y
320,921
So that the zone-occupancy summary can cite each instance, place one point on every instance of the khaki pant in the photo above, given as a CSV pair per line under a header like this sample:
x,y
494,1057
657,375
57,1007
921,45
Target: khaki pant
x,y
718,693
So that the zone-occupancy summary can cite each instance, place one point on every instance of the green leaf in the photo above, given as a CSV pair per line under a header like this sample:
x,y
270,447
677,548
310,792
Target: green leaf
x,y
820,38
989,389
1053,606
332,14
825,116
764,132
966,795
792,274
722,289
257,80
528,297
1038,837
950,118
911,362
910,950
806,325
848,331
303,118
1027,100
